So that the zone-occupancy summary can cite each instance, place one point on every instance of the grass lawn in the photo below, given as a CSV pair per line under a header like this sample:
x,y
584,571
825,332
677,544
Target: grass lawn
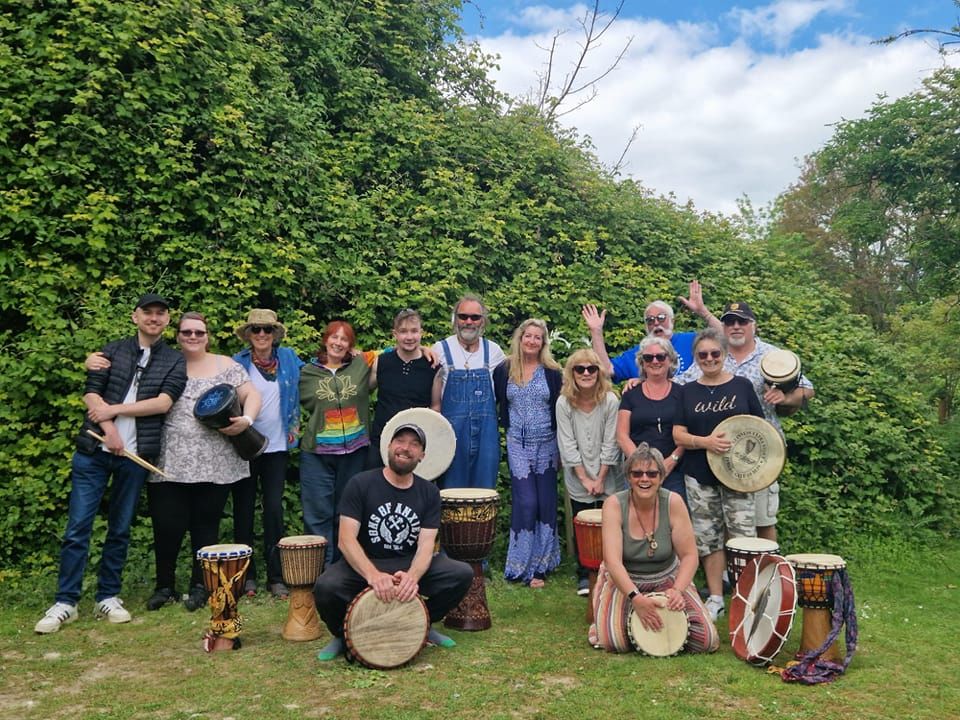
x,y
534,663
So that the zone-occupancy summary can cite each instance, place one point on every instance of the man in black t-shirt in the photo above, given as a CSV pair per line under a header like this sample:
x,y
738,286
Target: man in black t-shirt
x,y
389,521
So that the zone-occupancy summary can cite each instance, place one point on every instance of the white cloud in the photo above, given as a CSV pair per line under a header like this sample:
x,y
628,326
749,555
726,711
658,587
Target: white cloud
x,y
717,120
778,21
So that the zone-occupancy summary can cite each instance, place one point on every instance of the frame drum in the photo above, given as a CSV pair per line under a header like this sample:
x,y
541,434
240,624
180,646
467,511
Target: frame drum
x,y
441,440
385,635
669,640
755,458
762,609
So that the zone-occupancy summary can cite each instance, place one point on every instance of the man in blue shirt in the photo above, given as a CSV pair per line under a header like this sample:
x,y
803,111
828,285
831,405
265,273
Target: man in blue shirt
x,y
658,318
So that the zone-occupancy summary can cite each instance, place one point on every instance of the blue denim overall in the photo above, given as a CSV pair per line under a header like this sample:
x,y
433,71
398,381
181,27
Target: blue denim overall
x,y
469,405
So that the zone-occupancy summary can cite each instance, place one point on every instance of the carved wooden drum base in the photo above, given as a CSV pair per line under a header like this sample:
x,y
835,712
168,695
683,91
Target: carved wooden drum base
x,y
472,613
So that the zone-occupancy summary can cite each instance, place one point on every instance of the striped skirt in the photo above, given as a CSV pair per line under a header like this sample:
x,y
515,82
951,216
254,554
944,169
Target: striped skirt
x,y
611,609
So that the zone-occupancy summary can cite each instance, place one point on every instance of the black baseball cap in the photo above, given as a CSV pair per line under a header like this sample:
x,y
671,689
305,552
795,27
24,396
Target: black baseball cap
x,y
738,309
152,299
413,428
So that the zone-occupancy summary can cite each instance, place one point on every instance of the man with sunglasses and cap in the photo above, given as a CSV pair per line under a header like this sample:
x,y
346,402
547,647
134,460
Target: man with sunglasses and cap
x,y
126,404
389,520
658,318
463,389
744,353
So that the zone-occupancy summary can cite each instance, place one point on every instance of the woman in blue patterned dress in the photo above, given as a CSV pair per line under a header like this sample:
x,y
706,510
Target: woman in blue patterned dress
x,y
527,386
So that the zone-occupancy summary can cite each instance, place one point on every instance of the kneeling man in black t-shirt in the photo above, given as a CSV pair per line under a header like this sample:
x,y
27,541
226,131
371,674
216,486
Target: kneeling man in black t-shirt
x,y
389,521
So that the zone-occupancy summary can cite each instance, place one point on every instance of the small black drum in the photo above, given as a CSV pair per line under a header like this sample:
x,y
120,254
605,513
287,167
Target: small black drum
x,y
781,369
215,408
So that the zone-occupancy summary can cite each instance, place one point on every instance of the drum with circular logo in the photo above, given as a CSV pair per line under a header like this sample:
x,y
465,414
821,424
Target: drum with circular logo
x,y
756,455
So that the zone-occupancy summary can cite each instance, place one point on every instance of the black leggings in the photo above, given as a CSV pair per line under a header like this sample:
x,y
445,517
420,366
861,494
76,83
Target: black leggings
x,y
176,508
271,470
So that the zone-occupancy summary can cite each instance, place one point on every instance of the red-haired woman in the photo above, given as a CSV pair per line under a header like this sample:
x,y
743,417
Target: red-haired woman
x,y
335,392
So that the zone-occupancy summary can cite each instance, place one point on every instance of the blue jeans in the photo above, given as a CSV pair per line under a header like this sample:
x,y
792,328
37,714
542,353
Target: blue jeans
x,y
322,480
91,474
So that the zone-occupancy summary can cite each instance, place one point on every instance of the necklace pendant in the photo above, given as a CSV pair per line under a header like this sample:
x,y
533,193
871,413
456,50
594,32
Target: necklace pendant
x,y
650,551
653,543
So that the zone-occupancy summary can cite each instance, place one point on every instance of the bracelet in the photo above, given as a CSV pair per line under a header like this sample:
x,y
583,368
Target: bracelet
x,y
675,458
248,419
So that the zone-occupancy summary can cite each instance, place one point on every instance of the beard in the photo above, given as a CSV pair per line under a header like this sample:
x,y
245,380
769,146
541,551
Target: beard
x,y
402,465
468,334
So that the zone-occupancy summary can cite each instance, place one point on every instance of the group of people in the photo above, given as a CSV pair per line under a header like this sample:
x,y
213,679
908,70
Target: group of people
x,y
140,395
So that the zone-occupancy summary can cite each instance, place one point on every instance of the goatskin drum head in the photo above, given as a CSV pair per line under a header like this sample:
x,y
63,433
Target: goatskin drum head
x,y
779,366
755,458
762,609
668,640
441,440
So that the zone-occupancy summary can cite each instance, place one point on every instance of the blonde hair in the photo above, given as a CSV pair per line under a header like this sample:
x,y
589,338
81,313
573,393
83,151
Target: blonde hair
x,y
545,357
571,391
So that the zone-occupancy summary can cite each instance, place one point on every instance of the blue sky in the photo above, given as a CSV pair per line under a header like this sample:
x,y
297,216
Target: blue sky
x,y
726,97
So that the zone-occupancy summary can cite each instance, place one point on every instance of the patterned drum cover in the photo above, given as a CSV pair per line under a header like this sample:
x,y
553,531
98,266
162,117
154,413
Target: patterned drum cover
x,y
741,550
468,522
301,558
814,578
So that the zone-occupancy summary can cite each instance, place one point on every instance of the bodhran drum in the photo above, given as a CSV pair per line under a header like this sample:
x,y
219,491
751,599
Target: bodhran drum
x,y
781,369
668,640
815,595
468,523
762,609
216,406
301,561
587,529
224,571
441,440
756,455
385,635
741,550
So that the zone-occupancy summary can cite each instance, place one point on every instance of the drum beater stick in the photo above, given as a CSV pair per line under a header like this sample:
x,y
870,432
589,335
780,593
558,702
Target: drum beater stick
x,y
133,456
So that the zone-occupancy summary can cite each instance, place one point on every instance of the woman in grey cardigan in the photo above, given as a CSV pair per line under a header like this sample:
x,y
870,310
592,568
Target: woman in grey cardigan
x,y
587,437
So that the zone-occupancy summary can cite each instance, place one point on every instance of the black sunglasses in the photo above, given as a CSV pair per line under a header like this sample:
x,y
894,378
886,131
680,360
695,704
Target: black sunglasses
x,y
585,369
257,329
640,473
704,354
469,316
650,357
653,319
731,320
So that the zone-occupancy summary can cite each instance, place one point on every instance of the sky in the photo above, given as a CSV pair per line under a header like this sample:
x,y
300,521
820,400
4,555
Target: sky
x,y
727,97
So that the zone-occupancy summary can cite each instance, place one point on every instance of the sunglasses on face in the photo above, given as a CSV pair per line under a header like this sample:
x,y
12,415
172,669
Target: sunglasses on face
x,y
585,369
469,316
637,474
731,320
649,358
654,319
704,354
193,333
257,329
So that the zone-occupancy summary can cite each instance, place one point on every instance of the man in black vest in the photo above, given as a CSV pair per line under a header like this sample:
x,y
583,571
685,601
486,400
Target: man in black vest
x,y
126,405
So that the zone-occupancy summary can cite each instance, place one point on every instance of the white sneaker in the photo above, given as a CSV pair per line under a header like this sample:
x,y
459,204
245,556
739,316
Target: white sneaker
x,y
714,607
112,609
59,614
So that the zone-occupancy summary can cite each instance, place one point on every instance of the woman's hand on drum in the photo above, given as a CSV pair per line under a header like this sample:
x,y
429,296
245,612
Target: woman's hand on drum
x,y
717,442
407,587
646,608
675,599
383,586
96,361
237,425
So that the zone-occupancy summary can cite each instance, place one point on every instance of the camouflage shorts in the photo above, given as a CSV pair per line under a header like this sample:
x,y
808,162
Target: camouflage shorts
x,y
714,508
768,502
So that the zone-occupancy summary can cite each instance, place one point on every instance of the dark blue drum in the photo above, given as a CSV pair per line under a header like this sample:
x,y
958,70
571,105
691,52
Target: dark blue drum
x,y
215,408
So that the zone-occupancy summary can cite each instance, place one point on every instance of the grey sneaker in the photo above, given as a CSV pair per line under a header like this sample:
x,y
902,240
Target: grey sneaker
x,y
714,607
279,591
583,587
112,609
59,614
